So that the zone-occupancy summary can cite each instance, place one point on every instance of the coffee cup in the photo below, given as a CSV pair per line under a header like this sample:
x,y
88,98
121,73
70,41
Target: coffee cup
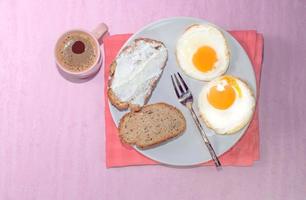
x,y
77,52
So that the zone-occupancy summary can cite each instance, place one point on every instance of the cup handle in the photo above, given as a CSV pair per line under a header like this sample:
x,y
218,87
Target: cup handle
x,y
100,31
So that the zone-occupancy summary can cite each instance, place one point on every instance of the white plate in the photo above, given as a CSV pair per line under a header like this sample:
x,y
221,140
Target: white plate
x,y
188,149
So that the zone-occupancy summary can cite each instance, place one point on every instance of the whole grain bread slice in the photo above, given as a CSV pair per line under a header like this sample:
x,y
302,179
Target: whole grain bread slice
x,y
115,99
154,124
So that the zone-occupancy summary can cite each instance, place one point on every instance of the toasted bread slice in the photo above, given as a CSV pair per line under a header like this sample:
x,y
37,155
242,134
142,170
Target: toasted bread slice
x,y
135,72
154,124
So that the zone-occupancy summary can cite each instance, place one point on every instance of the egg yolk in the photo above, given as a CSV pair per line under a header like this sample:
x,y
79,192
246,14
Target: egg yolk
x,y
221,99
204,58
223,95
231,81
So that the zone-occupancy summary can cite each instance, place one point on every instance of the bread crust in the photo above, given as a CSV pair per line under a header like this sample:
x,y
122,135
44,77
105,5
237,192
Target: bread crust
x,y
165,137
115,101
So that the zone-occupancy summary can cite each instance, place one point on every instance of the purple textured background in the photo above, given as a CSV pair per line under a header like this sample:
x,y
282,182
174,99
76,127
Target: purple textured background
x,y
52,130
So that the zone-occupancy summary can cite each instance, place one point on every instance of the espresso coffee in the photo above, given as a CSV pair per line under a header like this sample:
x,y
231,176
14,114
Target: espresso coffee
x,y
77,51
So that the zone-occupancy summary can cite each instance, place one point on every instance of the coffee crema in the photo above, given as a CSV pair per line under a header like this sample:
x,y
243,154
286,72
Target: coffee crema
x,y
77,51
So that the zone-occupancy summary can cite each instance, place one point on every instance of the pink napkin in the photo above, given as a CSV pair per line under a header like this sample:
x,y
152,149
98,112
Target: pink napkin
x,y
244,153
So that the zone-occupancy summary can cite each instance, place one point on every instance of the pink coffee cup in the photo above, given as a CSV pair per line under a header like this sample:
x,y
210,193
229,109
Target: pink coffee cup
x,y
95,37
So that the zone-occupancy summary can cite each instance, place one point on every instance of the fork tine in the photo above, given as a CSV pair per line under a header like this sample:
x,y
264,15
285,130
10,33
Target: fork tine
x,y
182,80
174,86
179,84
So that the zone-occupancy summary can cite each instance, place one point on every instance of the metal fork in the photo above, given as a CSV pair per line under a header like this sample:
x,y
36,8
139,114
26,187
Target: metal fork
x,y
185,97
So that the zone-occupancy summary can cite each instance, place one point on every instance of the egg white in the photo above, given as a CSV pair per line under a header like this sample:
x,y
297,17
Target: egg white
x,y
232,119
195,37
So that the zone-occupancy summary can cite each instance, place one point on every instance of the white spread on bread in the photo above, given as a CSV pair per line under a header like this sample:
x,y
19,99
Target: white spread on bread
x,y
137,68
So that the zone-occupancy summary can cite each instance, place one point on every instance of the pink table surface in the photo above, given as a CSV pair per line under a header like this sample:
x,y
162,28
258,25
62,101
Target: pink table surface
x,y
52,130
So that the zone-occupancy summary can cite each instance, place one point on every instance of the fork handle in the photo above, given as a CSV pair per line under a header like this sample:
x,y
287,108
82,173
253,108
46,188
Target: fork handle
x,y
204,136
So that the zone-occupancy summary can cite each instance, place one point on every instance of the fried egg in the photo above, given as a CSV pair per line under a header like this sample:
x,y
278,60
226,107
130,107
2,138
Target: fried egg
x,y
202,52
226,104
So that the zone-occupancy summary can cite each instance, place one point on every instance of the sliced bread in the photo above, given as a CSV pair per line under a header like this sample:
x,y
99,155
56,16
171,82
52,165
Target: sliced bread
x,y
154,124
135,72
